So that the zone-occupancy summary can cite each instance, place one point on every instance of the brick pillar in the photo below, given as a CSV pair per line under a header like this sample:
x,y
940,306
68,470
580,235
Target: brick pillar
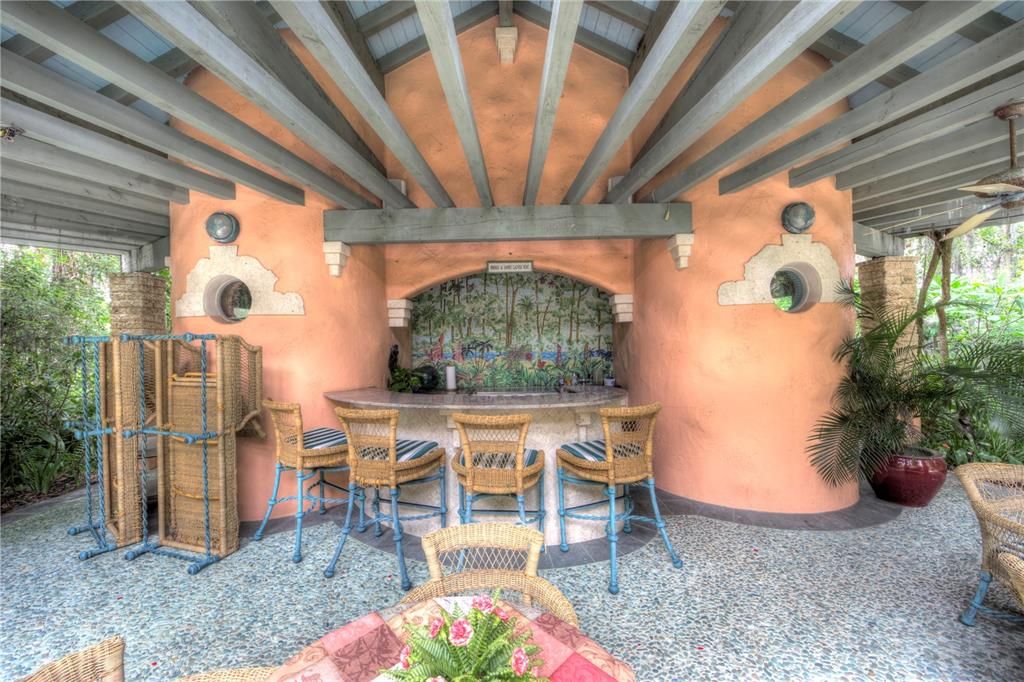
x,y
891,280
137,303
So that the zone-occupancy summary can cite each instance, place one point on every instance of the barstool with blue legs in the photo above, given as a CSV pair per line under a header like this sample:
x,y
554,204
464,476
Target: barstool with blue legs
x,y
625,457
310,454
493,460
378,459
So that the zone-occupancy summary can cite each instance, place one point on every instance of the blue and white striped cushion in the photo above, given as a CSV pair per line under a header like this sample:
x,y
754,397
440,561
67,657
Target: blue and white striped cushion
x,y
408,450
529,457
591,450
323,437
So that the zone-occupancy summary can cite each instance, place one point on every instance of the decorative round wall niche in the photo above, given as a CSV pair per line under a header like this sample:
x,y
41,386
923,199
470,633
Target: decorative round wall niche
x,y
795,287
227,299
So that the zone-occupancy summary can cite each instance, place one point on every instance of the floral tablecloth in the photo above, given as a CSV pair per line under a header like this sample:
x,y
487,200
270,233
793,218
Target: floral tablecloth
x,y
358,651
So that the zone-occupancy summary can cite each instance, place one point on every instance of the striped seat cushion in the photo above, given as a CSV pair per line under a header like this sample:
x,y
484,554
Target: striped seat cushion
x,y
529,459
591,450
408,450
317,439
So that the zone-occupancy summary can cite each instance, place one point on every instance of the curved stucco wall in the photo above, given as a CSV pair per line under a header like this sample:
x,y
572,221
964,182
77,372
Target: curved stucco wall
x,y
741,385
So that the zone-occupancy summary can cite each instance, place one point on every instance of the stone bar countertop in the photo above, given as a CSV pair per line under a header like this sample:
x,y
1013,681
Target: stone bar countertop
x,y
577,396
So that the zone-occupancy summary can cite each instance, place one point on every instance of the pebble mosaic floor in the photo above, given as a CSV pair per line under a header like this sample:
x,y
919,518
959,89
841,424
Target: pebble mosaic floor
x,y
751,603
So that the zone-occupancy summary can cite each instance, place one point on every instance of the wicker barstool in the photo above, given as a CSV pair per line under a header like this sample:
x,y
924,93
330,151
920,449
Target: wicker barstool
x,y
103,662
494,460
996,493
625,457
310,454
378,459
482,557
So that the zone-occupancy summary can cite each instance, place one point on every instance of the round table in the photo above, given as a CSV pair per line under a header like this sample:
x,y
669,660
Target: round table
x,y
358,651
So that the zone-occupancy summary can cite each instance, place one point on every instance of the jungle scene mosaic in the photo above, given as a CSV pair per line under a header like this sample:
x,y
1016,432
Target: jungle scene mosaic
x,y
512,331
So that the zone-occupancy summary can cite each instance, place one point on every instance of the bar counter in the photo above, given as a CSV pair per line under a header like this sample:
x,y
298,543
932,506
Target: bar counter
x,y
557,418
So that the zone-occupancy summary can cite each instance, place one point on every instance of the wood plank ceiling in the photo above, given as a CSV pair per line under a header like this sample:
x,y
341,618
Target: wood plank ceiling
x,y
88,87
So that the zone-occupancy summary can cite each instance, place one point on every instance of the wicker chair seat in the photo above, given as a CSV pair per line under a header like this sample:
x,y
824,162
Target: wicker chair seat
x,y
415,460
495,473
322,448
589,460
232,675
103,662
1013,566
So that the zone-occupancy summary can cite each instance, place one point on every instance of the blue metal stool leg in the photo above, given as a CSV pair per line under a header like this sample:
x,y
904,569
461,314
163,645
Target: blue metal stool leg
x,y
541,513
271,502
361,496
443,487
397,529
346,529
613,541
968,616
462,503
660,523
377,530
469,508
564,546
627,507
323,507
300,511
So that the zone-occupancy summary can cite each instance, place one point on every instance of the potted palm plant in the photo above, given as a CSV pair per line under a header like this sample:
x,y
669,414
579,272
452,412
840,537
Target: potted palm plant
x,y
893,382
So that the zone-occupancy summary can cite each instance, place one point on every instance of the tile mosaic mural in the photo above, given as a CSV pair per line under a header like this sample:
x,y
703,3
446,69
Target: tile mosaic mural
x,y
508,331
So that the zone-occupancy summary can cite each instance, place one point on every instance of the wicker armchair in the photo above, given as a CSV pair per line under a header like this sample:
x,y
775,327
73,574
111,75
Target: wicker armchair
x,y
481,557
379,459
310,454
103,662
232,675
996,492
494,460
625,457
1013,565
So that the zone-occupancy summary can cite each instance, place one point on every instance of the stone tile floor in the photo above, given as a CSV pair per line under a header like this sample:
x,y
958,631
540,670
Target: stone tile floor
x,y
752,603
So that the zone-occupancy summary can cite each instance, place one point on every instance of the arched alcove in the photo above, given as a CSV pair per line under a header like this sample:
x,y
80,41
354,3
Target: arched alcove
x,y
518,330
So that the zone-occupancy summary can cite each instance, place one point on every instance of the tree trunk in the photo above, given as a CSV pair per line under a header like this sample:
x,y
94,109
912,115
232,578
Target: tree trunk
x,y
929,275
947,259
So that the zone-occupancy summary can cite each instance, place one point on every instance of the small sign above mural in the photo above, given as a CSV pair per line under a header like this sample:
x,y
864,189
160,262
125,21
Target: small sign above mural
x,y
501,267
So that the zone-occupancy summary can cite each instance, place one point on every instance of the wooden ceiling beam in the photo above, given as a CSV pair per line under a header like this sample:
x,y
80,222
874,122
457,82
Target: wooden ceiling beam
x,y
12,187
68,185
837,46
978,30
97,15
379,18
403,54
345,21
632,13
26,237
947,175
41,209
594,42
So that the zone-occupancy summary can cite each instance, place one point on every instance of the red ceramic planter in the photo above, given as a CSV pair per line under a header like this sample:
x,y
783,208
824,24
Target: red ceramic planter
x,y
912,478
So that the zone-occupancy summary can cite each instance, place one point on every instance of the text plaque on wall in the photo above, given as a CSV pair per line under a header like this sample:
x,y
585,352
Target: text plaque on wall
x,y
502,267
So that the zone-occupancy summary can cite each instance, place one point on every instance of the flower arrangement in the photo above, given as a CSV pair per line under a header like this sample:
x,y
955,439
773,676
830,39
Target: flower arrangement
x,y
484,644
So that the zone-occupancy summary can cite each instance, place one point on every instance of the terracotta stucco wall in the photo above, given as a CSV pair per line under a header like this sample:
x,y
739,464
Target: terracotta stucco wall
x,y
728,434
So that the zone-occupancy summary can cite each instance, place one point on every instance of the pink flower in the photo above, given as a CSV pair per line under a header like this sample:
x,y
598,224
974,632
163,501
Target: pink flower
x,y
501,613
437,679
520,661
460,632
403,657
435,626
483,604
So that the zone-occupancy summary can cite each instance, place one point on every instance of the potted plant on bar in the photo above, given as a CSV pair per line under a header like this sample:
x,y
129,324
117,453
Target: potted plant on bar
x,y
893,382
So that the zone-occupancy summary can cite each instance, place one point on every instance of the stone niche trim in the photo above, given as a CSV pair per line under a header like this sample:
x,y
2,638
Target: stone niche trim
x,y
399,312
225,261
680,245
798,253
622,307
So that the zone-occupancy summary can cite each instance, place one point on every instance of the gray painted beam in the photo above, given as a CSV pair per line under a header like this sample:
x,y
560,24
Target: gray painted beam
x,y
13,219
49,87
632,13
500,223
186,28
21,190
310,23
777,48
246,25
52,130
978,30
403,54
22,238
105,58
920,202
941,178
683,29
97,15
505,13
838,46
945,216
71,186
174,63
975,106
565,17
151,257
748,25
982,143
662,11
961,70
379,18
904,39
99,221
594,42
439,28
873,243
346,23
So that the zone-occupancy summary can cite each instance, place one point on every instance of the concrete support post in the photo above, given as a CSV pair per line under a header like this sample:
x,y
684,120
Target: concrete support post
x,y
892,281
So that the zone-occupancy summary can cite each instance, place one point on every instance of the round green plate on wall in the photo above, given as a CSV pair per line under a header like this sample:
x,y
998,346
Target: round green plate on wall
x,y
222,227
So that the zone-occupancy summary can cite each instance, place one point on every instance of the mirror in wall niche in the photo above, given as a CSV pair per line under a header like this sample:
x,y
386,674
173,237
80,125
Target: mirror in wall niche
x,y
516,331
227,299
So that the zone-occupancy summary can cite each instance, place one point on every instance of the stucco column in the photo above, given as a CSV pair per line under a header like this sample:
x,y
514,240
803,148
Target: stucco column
x,y
892,281
137,303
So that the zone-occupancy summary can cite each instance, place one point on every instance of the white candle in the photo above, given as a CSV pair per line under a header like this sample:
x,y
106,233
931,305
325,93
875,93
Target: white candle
x,y
449,377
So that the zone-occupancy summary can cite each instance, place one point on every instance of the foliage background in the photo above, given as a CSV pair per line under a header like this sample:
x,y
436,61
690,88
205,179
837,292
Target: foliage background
x,y
513,330
45,295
